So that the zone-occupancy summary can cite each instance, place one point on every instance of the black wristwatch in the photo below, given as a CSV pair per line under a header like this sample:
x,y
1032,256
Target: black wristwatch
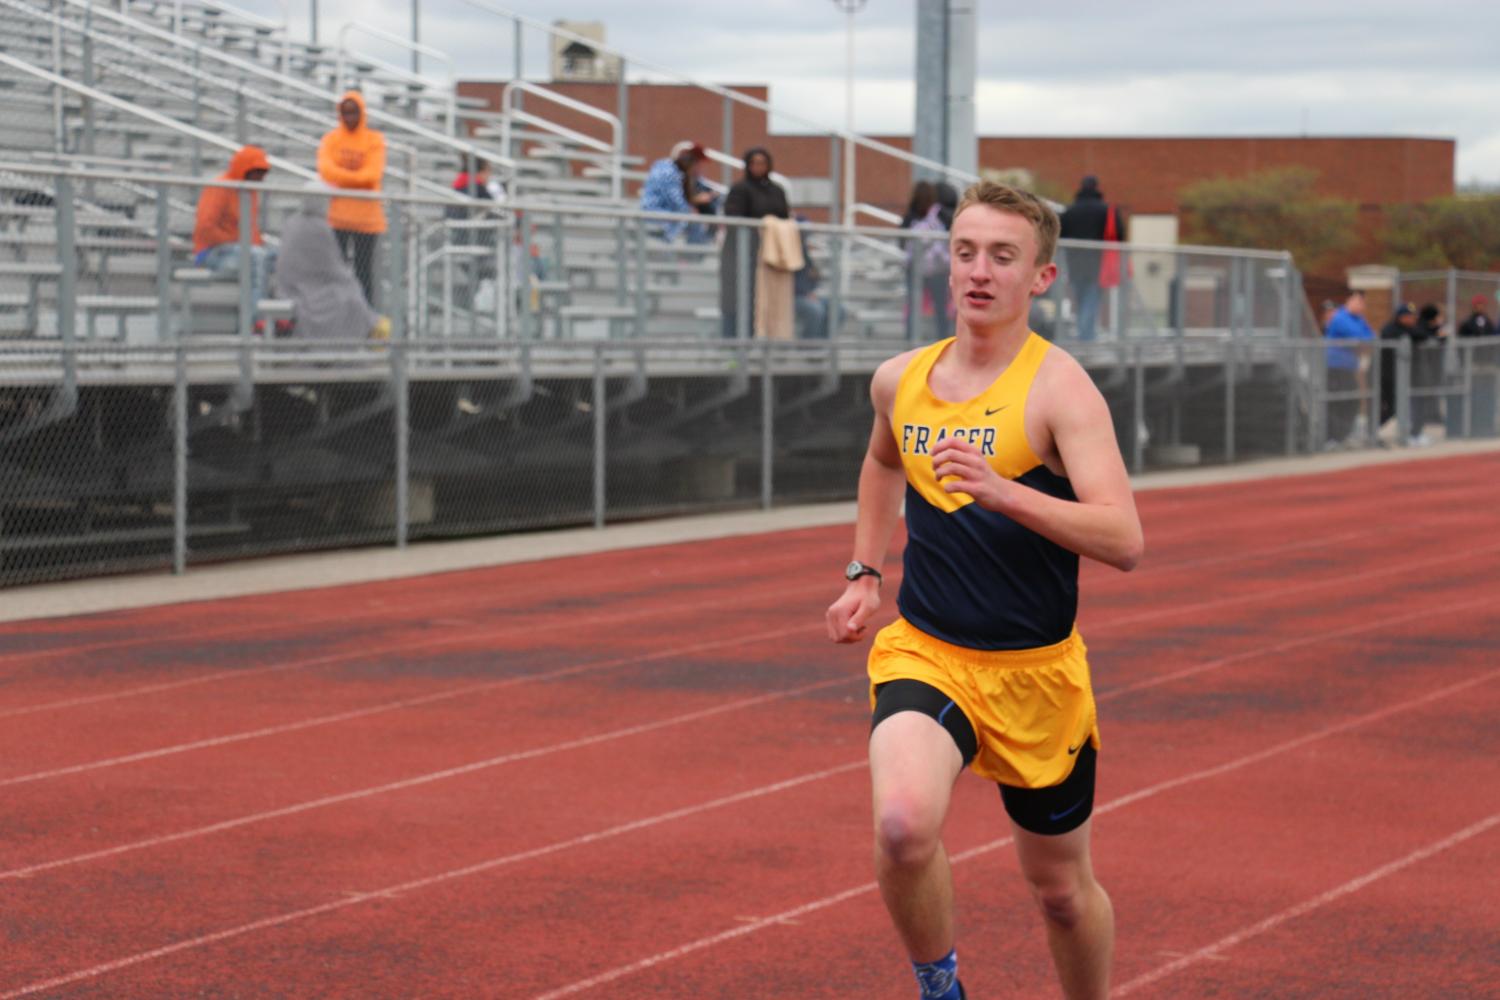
x,y
857,569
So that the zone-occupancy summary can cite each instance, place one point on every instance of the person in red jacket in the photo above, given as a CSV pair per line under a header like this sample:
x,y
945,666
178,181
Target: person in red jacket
x,y
216,230
352,156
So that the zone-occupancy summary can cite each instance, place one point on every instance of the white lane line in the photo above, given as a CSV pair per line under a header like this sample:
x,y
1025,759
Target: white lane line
x,y
1175,609
488,601
621,971
425,779
391,706
743,929
479,635
292,810
1305,907
382,609
354,898
1282,647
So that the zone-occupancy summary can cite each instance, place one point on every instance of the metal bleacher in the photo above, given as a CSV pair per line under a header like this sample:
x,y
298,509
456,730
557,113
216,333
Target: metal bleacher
x,y
552,359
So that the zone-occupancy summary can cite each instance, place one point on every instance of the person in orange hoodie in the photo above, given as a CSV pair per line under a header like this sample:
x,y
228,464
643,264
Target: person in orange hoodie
x,y
216,231
352,156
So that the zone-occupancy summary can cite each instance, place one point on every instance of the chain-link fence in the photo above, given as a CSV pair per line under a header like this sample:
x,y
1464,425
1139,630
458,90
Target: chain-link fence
x,y
117,457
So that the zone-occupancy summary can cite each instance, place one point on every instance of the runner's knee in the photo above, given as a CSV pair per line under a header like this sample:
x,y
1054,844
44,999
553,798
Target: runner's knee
x,y
907,834
1060,896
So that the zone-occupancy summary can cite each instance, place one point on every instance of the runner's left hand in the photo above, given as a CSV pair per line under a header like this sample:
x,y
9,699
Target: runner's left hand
x,y
970,473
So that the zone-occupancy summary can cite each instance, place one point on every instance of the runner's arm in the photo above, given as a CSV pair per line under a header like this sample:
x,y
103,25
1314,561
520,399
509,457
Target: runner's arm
x,y
882,484
1103,523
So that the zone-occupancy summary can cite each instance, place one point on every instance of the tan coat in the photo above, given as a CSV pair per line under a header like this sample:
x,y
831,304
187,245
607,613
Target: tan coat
x,y
775,287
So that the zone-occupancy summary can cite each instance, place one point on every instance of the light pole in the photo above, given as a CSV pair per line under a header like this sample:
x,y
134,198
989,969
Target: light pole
x,y
849,7
416,58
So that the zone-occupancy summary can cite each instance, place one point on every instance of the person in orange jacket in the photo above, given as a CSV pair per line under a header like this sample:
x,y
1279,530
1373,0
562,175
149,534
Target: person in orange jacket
x,y
216,230
352,156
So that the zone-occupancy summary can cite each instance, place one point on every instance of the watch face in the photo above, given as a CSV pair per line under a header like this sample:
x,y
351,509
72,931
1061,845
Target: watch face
x,y
851,571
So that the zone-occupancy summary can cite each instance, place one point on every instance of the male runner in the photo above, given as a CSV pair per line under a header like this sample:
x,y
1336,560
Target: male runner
x,y
1005,455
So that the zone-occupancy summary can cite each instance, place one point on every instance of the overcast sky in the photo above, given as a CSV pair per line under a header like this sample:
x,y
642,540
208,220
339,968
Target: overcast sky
x,y
1076,67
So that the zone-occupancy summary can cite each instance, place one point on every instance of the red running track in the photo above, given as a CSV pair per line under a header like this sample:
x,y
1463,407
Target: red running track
x,y
641,774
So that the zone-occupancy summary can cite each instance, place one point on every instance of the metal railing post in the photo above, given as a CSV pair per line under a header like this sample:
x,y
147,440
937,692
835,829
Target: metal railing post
x,y
726,121
1468,418
836,288
835,203
1403,392
179,460
1289,442
742,304
163,266
767,427
1450,310
59,130
395,302
1229,400
620,261
401,386
67,256
640,277
601,428
916,249
246,306
241,126
1138,395
1179,293
622,109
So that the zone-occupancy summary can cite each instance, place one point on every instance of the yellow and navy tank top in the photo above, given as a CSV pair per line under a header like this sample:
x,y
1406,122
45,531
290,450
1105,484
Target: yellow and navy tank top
x,y
973,577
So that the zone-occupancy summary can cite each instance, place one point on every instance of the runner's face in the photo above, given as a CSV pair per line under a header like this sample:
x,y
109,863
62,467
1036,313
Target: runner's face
x,y
994,272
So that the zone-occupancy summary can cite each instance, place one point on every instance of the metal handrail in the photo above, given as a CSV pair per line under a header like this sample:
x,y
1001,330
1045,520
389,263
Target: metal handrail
x,y
515,113
283,107
397,71
254,19
104,97
388,121
588,208
875,212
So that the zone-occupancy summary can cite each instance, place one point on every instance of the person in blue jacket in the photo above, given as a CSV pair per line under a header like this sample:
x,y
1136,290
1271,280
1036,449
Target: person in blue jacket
x,y
672,185
1348,367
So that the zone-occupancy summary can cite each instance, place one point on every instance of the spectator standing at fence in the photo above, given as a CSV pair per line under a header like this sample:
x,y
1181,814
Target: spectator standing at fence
x,y
314,274
1088,218
1479,323
475,181
754,196
1426,372
217,225
668,184
1347,370
923,195
352,156
1401,326
930,257
811,308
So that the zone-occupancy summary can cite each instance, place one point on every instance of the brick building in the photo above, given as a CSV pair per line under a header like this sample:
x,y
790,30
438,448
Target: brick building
x,y
1144,174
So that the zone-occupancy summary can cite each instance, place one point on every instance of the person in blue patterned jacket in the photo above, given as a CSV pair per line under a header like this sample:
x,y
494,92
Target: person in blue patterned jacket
x,y
672,185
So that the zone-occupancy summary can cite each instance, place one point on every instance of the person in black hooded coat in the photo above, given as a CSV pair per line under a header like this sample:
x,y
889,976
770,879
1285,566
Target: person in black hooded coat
x,y
753,196
1086,219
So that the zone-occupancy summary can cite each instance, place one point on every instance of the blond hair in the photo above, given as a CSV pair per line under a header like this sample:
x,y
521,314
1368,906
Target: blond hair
x,y
1023,203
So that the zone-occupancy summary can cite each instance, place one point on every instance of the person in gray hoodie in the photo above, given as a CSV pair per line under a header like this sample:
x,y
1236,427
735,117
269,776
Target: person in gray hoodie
x,y
312,272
